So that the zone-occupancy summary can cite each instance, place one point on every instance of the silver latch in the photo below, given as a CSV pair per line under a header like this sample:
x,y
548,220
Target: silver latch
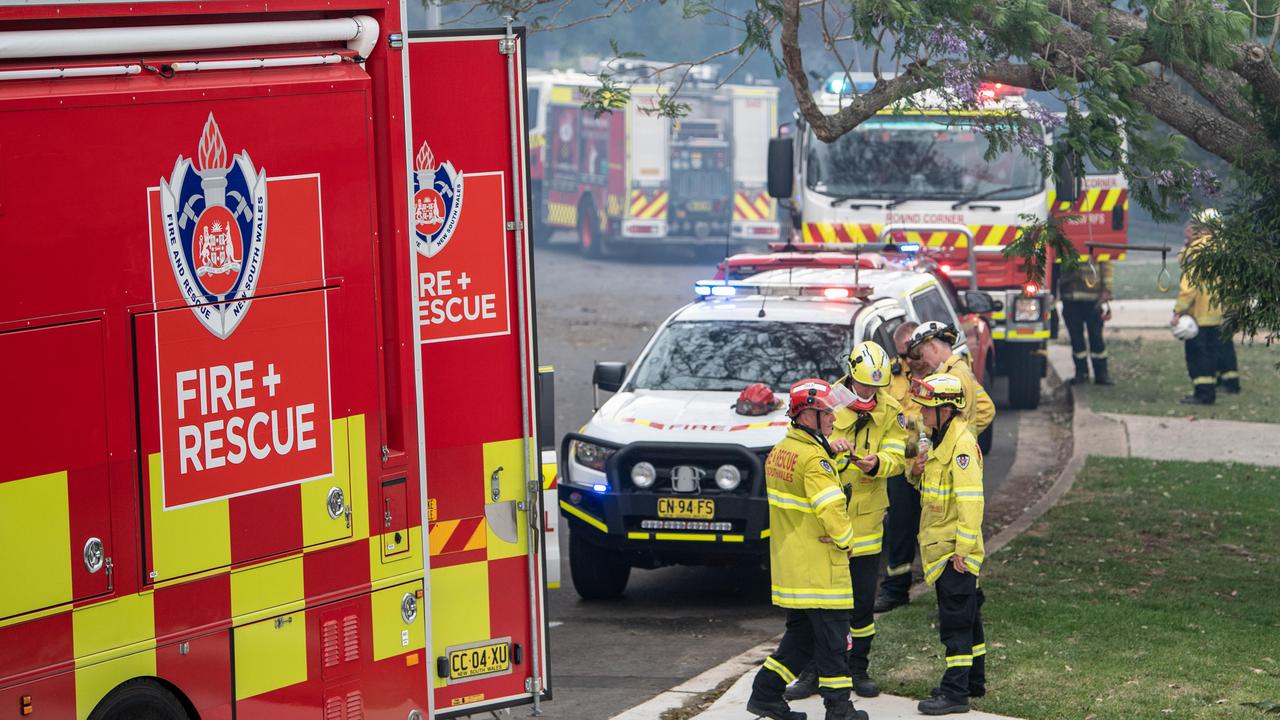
x,y
386,513
495,483
281,621
395,41
507,45
94,557
513,225
335,503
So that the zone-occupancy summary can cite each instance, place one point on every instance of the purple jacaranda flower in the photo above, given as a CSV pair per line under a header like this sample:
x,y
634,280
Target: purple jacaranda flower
x,y
944,40
1163,178
1206,181
961,82
1042,115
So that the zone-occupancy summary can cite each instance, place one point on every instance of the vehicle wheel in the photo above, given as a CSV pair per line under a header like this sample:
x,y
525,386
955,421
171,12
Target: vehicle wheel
x,y
598,573
140,699
985,438
1024,377
590,239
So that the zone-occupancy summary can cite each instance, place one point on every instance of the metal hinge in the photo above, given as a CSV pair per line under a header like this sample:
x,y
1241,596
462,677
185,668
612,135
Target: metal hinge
x,y
347,513
395,41
386,453
532,685
513,225
507,46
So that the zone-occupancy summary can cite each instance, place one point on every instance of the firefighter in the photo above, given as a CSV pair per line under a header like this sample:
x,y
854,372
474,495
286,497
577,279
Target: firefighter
x,y
1211,356
869,437
903,519
929,352
809,543
1082,311
949,476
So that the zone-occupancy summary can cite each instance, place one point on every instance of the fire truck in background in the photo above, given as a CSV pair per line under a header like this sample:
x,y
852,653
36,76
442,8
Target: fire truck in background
x,y
248,466
918,175
633,178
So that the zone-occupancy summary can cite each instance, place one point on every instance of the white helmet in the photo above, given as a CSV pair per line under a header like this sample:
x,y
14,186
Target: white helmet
x,y
1186,328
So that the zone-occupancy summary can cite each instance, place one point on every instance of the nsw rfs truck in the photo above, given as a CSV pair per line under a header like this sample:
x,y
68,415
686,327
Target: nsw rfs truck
x,y
632,178
917,174
268,446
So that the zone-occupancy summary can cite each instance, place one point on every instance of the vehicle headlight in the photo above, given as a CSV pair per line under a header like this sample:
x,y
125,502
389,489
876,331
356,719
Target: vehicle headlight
x,y
592,455
728,477
643,474
1026,309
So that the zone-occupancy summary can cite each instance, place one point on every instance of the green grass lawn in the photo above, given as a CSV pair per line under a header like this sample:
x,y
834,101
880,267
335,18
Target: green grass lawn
x,y
1151,378
1149,591
1138,280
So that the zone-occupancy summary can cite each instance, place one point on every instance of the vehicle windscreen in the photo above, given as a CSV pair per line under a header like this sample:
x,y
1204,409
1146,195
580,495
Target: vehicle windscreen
x,y
892,158
729,355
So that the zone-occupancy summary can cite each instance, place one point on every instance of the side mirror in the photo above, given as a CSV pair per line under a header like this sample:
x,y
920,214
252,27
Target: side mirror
x,y
607,376
781,168
976,301
1067,175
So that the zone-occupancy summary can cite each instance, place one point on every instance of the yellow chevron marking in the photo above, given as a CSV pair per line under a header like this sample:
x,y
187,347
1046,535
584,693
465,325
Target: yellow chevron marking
x,y
809,235
764,206
828,233
440,534
1109,204
935,238
1091,199
656,208
996,235
743,210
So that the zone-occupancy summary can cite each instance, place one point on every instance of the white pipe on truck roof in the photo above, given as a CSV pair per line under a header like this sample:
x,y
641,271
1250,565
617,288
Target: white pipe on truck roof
x,y
360,33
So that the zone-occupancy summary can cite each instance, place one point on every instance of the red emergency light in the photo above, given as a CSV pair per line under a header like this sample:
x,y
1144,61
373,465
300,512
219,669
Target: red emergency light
x,y
995,91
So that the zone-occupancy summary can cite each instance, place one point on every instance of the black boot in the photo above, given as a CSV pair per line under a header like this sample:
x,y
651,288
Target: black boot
x,y
1231,386
842,710
1204,395
1082,372
804,686
864,686
1100,374
773,709
943,704
888,601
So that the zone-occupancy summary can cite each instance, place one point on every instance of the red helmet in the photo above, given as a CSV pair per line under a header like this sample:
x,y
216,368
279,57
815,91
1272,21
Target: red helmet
x,y
811,394
756,399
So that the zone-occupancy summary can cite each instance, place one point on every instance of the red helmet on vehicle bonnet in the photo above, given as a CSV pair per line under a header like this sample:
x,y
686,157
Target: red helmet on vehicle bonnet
x,y
756,399
811,394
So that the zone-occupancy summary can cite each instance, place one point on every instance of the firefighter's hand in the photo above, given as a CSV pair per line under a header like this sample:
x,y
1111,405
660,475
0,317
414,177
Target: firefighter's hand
x,y
824,539
840,445
917,467
957,562
1174,321
867,464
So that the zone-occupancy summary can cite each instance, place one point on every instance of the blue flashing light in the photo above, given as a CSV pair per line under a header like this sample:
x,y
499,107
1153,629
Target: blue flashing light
x,y
724,291
909,247
841,84
599,487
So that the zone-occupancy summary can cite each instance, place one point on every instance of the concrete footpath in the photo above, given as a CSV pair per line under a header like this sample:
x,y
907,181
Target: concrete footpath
x,y
733,706
1165,438
1154,313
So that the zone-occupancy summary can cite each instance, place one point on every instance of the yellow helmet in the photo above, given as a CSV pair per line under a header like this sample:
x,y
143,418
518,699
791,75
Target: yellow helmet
x,y
869,364
938,389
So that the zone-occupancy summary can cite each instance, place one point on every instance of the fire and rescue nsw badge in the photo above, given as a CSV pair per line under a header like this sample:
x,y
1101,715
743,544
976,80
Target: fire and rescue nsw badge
x,y
437,201
963,461
215,222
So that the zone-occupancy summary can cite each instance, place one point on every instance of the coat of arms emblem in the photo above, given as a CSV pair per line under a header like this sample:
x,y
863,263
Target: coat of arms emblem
x,y
214,210
437,201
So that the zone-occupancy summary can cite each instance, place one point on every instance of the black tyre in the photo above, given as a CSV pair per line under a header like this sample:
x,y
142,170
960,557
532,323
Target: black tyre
x,y
140,699
590,239
1024,377
985,438
598,573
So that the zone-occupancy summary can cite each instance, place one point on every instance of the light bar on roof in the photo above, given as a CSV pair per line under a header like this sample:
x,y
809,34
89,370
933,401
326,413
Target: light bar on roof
x,y
829,291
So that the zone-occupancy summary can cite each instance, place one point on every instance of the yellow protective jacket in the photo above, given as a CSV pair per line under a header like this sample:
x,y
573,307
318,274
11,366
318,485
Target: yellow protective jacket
x,y
1194,301
951,502
900,389
884,433
807,504
1072,285
979,411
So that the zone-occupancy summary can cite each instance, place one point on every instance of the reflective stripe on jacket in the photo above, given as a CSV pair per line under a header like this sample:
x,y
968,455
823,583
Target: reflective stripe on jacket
x,y
1072,285
883,432
979,411
807,504
951,502
1194,301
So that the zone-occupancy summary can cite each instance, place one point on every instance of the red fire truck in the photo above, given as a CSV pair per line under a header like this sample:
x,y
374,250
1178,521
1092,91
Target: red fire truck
x,y
635,178
268,445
